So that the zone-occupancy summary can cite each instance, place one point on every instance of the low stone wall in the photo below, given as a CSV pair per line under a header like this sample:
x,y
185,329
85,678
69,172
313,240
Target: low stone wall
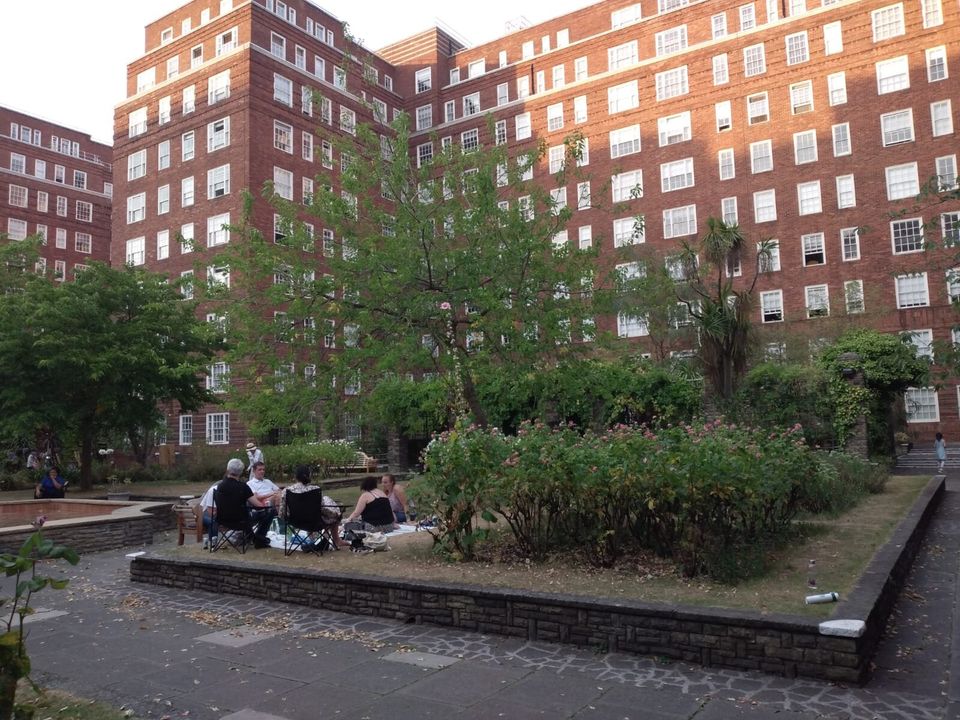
x,y
100,532
780,644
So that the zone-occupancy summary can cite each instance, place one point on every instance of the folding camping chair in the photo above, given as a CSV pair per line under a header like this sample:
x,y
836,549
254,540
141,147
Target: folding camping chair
x,y
236,533
306,529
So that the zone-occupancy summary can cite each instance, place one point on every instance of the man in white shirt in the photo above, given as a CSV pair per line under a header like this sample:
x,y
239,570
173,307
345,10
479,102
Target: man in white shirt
x,y
209,511
264,489
254,456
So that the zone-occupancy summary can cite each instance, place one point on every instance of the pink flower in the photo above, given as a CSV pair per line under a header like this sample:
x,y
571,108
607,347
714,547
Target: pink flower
x,y
38,523
445,306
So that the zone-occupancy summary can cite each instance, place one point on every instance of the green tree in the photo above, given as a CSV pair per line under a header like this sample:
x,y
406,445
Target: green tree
x,y
95,356
448,263
705,284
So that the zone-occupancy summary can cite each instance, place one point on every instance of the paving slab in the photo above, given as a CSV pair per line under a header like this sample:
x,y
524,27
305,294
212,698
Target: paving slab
x,y
249,690
465,683
236,637
430,661
378,677
392,708
553,691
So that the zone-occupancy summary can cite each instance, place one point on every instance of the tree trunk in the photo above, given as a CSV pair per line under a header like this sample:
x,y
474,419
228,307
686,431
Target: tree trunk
x,y
86,457
473,402
13,666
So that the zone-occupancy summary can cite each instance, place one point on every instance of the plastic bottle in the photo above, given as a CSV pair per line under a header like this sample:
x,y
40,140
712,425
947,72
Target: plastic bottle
x,y
812,575
822,598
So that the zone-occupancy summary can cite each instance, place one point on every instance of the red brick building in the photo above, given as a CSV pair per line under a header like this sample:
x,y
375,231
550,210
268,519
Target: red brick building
x,y
56,182
810,122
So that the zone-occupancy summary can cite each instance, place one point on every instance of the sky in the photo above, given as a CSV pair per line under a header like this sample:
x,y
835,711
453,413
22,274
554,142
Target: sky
x,y
64,65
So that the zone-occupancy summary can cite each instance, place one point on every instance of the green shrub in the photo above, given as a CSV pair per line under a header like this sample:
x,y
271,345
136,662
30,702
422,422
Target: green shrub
x,y
320,456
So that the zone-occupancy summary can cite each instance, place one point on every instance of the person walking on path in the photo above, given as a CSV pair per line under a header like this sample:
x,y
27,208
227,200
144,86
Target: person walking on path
x,y
254,456
941,449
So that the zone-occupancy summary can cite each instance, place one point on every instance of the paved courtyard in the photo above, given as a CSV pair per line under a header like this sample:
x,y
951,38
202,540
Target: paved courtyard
x,y
164,653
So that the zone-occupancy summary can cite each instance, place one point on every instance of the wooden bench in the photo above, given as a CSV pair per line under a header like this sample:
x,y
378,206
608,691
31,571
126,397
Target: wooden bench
x,y
189,520
362,463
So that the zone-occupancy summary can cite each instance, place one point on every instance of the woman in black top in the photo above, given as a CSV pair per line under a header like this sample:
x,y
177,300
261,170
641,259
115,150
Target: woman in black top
x,y
373,506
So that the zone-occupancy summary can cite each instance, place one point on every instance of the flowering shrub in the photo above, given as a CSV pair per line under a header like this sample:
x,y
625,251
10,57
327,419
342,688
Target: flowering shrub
x,y
713,496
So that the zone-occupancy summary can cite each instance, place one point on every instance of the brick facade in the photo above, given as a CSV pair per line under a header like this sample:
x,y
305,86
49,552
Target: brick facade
x,y
785,105
55,181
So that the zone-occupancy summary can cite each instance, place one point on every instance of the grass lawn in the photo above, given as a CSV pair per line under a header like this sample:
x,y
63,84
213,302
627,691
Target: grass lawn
x,y
52,704
842,547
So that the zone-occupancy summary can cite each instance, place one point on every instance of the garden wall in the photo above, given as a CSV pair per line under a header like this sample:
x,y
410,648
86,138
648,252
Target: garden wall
x,y
781,644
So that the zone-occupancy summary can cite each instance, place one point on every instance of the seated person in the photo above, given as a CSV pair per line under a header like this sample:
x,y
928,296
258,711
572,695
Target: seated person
x,y
330,515
396,496
239,508
263,488
209,514
373,507
51,486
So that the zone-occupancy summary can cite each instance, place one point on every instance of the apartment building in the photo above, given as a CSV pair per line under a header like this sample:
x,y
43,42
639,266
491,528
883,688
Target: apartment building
x,y
811,123
55,182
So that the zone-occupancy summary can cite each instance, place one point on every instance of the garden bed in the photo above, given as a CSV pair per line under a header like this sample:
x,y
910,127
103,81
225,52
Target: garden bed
x,y
746,627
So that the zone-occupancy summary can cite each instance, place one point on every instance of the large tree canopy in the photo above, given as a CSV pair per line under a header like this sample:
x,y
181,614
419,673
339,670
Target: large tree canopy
x,y
95,356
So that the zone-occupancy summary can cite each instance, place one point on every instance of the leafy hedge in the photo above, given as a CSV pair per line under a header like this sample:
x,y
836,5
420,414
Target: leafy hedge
x,y
321,456
715,497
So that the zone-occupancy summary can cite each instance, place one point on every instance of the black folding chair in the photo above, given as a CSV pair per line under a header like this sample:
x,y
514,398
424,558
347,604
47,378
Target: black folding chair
x,y
306,529
236,533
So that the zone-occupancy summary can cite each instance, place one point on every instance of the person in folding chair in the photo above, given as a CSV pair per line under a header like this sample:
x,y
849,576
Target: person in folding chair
x,y
310,516
235,503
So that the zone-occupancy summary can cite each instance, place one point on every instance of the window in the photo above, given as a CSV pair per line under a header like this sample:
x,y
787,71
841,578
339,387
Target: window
x,y
163,245
798,50
761,156
283,137
837,88
850,244
887,22
897,127
40,169
283,183
627,231
278,46
186,146
817,301
841,139
218,232
186,235
624,141
765,206
727,164
42,200
846,192
61,206
941,118
218,87
622,97
728,210
59,173
902,181
218,134
721,72
624,16
137,165
146,79
136,207
947,172
832,38
631,325
671,41
339,77
724,115
18,163
584,201
80,178
226,41
932,13
554,117
627,185
805,147
424,117
283,90
163,155
585,236
907,236
218,428
16,229
163,199
936,64
893,75
580,71
521,124
718,26
853,296
754,60
813,249
680,221
771,306
218,277
218,181
471,104
672,83
580,109
911,290
808,198
216,380
558,201
674,129
186,429
17,196
470,140
306,146
163,111
84,212
196,56
758,109
307,189
622,56
676,175
61,240
801,97
922,405
748,18
135,251
423,79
